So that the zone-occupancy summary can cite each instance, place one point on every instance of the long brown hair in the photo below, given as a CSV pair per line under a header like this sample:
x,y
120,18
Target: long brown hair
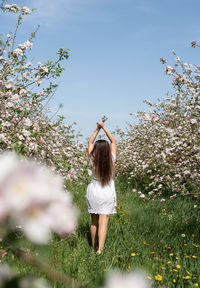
x,y
102,159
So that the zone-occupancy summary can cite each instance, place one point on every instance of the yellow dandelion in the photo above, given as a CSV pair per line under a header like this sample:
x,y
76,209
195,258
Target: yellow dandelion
x,y
158,277
171,254
169,262
186,277
149,277
188,272
175,270
186,256
195,245
194,278
152,252
174,280
163,268
176,258
178,266
133,254
196,285
193,256
164,213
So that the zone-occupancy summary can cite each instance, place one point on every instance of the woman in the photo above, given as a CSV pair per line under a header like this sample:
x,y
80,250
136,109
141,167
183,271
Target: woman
x,y
101,194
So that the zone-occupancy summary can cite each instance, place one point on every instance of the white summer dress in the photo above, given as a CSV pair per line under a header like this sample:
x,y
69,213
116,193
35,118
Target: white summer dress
x,y
101,200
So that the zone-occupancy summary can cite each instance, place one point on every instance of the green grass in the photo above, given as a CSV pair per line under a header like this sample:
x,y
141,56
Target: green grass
x,y
139,235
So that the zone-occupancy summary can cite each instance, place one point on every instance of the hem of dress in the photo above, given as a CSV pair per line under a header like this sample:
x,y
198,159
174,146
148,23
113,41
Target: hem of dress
x,y
102,212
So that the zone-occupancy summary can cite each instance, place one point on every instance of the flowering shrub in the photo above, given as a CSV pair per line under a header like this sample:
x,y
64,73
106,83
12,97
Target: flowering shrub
x,y
162,152
25,90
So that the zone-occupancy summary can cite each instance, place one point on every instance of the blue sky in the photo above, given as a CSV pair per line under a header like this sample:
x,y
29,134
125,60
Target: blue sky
x,y
115,50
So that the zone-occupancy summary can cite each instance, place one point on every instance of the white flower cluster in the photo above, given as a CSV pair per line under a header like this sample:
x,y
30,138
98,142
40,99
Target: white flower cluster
x,y
32,197
25,10
15,8
136,279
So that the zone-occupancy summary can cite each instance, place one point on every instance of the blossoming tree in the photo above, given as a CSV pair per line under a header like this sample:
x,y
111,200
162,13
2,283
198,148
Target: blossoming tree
x,y
162,152
25,90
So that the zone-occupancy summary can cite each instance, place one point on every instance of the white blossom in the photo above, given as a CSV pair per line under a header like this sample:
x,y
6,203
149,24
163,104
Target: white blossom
x,y
136,279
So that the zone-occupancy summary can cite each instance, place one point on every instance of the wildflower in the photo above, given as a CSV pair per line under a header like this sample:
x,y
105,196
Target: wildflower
x,y
193,235
178,266
169,262
174,280
152,252
195,245
196,285
133,254
186,277
175,270
193,256
171,254
158,277
182,235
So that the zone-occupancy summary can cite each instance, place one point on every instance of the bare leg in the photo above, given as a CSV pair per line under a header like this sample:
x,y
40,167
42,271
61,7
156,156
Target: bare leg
x,y
103,222
94,229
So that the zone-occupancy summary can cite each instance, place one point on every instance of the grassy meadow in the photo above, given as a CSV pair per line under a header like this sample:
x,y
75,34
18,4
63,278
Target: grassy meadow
x,y
151,235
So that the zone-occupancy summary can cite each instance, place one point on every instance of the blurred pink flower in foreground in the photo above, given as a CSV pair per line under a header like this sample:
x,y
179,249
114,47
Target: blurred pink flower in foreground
x,y
136,279
33,197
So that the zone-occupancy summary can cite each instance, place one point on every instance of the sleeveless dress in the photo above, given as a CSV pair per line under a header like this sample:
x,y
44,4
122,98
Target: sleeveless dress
x,y
101,200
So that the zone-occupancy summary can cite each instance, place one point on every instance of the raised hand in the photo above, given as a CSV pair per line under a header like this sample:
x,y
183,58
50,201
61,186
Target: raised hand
x,y
100,125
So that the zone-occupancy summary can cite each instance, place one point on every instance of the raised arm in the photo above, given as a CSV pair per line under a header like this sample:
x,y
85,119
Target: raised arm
x,y
110,137
91,140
